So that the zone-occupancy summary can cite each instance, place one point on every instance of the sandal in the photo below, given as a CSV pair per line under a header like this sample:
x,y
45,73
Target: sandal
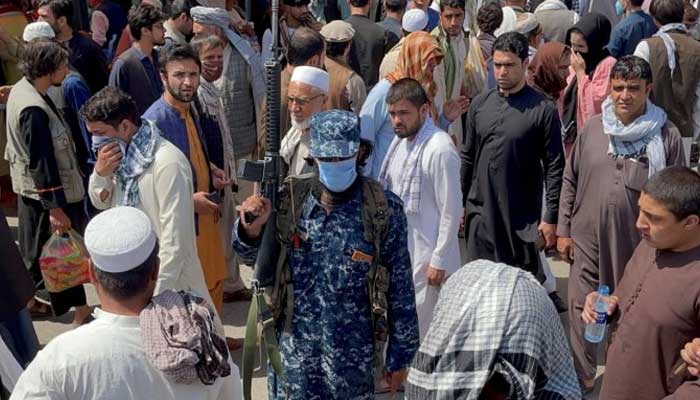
x,y
39,309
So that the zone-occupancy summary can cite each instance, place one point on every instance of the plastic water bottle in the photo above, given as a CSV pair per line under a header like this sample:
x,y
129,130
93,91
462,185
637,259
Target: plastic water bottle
x,y
596,331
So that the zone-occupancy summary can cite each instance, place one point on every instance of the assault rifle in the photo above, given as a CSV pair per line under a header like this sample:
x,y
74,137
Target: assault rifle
x,y
267,173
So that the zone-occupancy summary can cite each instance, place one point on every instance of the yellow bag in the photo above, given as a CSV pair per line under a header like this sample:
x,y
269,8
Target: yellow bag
x,y
64,262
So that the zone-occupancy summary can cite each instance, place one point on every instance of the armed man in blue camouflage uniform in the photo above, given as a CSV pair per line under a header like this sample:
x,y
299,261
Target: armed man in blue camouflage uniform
x,y
328,350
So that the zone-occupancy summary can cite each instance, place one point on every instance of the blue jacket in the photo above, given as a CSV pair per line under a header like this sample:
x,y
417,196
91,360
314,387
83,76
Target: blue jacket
x,y
636,27
328,352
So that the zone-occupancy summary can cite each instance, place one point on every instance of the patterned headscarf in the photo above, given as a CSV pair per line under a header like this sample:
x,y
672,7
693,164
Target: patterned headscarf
x,y
418,48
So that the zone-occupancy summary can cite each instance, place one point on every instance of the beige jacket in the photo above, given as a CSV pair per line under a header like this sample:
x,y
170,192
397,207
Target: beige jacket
x,y
165,192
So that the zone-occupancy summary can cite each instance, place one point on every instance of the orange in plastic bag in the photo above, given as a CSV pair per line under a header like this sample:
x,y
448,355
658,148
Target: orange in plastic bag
x,y
64,262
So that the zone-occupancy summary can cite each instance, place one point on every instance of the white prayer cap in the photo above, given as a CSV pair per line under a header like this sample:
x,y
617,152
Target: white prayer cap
x,y
312,76
526,23
119,239
414,20
36,30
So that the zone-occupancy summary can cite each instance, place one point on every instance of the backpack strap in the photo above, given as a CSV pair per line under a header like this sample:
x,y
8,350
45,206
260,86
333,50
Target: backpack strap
x,y
290,207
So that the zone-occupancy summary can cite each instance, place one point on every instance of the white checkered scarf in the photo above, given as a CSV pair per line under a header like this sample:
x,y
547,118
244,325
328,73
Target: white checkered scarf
x,y
493,318
409,189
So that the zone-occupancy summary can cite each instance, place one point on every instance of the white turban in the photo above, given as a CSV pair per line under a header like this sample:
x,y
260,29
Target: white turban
x,y
311,76
36,30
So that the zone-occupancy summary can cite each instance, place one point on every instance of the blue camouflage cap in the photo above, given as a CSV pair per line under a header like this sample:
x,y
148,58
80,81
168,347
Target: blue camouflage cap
x,y
335,133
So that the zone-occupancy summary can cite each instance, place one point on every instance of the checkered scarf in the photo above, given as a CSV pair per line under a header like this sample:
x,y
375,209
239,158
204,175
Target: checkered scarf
x,y
492,318
138,158
409,189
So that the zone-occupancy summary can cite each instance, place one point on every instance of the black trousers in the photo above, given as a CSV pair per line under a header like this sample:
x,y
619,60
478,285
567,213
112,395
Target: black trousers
x,y
33,232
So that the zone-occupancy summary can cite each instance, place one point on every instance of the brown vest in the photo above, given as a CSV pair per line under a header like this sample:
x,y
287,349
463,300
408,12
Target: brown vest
x,y
676,95
339,75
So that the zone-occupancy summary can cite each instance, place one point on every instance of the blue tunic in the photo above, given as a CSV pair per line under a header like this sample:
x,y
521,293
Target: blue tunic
x,y
636,27
328,353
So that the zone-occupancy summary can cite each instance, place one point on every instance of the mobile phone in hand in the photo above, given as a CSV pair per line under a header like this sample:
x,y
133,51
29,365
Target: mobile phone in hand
x,y
214,197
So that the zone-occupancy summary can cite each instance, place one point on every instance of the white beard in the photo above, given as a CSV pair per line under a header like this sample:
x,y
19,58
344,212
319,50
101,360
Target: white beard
x,y
303,125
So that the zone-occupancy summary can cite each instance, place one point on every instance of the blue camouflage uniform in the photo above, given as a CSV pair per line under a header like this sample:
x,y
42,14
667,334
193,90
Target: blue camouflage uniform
x,y
328,351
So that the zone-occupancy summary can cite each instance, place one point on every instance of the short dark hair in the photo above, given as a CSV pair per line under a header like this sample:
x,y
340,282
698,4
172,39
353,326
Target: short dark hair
x,y
358,3
489,17
667,11
407,89
395,5
512,42
678,189
129,284
60,8
631,67
636,3
206,42
452,4
111,106
42,57
143,16
336,49
180,6
304,44
177,52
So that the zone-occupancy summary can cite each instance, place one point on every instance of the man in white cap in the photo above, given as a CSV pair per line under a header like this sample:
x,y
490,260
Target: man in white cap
x,y
307,95
413,20
107,358
347,90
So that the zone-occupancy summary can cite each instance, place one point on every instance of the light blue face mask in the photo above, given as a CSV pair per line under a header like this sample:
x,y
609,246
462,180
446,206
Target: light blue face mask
x,y
619,7
100,141
337,176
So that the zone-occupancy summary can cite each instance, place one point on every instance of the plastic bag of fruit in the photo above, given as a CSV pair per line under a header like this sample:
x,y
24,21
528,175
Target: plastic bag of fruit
x,y
64,262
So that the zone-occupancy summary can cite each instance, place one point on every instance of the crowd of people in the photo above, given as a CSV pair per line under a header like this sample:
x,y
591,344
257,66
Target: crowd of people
x,y
415,136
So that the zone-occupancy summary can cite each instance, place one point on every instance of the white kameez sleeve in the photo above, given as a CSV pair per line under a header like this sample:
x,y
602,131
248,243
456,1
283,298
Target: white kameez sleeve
x,y
176,218
446,183
98,185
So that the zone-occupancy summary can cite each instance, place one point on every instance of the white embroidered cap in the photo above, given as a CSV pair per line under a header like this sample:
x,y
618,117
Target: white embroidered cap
x,y
36,30
312,76
414,20
119,239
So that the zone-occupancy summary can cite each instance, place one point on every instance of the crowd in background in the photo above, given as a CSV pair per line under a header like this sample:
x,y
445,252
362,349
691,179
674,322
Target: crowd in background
x,y
416,135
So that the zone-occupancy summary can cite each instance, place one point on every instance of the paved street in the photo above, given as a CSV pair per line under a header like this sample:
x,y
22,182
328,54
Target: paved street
x,y
234,316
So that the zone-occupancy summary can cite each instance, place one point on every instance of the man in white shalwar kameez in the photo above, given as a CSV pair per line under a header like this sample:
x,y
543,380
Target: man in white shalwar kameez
x,y
307,95
108,358
422,168
136,167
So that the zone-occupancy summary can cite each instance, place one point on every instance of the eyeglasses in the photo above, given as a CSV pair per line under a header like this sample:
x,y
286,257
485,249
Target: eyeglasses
x,y
302,101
